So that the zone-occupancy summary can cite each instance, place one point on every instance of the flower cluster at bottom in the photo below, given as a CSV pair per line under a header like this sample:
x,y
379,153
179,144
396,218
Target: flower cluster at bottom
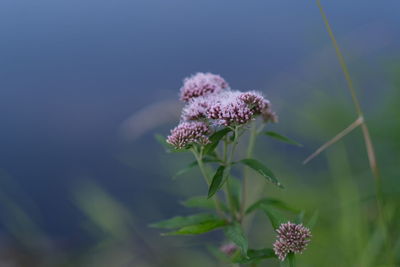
x,y
291,238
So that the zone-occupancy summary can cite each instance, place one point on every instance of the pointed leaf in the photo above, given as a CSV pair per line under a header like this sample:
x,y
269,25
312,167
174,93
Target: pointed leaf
x,y
300,217
263,170
200,228
185,170
202,202
236,189
214,140
181,221
313,220
235,233
275,217
198,202
162,140
272,202
216,181
282,138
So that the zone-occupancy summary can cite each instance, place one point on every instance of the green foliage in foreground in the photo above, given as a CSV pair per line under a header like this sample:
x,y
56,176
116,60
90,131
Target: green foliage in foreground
x,y
229,214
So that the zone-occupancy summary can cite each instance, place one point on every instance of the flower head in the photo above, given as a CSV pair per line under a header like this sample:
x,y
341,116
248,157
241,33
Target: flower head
x,y
268,115
255,101
202,84
187,133
228,109
197,108
291,238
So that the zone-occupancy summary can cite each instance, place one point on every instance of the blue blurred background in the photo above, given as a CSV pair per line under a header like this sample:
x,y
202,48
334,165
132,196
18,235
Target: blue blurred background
x,y
85,85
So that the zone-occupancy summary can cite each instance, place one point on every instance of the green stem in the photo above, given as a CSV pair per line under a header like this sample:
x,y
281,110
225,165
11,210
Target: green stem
x,y
228,162
291,259
199,158
249,153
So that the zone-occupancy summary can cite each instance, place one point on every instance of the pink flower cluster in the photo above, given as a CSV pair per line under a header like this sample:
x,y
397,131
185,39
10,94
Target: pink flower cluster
x,y
197,109
202,84
209,101
227,108
291,238
187,133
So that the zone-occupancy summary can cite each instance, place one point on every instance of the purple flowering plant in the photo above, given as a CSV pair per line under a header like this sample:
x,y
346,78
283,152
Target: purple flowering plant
x,y
214,120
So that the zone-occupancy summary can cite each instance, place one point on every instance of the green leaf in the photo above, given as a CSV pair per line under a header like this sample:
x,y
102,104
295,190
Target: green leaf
x,y
216,181
254,256
272,202
235,233
263,170
203,203
282,138
199,202
186,169
236,188
162,140
274,217
214,140
300,217
313,220
200,228
181,221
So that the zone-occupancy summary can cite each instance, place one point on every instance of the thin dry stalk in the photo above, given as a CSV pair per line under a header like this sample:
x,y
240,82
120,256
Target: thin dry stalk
x,y
367,138
368,142
340,135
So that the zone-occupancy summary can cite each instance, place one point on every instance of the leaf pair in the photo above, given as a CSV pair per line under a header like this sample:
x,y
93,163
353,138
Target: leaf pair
x,y
271,202
220,175
271,206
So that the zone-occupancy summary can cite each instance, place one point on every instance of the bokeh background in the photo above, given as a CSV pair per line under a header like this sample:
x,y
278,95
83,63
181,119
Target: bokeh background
x,y
85,85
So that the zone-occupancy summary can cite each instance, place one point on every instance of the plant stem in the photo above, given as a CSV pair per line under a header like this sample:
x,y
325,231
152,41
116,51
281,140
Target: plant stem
x,y
249,153
199,158
228,162
367,138
291,259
